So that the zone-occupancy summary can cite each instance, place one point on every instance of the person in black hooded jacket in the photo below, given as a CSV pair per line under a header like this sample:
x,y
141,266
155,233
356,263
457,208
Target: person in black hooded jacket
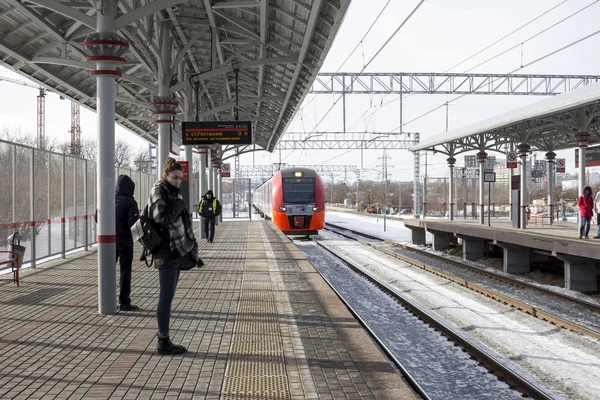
x,y
126,213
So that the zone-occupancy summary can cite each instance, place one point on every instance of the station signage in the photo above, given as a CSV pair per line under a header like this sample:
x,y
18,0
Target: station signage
x,y
592,157
216,132
511,160
560,165
225,170
489,177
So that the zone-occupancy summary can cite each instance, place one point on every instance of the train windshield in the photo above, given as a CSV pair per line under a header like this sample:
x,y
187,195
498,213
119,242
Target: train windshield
x,y
299,190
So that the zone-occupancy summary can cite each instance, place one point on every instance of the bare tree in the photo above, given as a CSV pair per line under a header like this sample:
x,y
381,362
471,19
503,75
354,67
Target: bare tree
x,y
88,149
141,160
123,154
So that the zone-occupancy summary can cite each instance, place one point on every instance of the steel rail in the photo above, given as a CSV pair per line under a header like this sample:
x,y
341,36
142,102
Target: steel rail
x,y
529,309
489,360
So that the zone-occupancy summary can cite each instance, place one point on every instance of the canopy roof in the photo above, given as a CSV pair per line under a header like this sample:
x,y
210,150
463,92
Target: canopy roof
x,y
547,125
277,45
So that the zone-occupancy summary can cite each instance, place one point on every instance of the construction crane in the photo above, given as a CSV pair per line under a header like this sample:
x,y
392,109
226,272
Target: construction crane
x,y
41,116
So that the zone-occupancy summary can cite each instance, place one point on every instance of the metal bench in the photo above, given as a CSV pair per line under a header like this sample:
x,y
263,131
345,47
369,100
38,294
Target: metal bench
x,y
14,261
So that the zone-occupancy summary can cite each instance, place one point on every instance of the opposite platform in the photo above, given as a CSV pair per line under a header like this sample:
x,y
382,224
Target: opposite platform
x,y
258,320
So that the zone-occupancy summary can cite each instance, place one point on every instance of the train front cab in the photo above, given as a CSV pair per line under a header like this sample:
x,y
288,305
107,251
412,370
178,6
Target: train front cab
x,y
298,201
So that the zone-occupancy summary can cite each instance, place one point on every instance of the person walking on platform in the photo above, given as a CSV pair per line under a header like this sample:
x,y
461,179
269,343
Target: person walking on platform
x,y
209,209
586,207
126,213
597,211
177,249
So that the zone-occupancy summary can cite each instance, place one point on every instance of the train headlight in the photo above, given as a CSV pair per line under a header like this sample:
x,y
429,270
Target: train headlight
x,y
315,208
282,208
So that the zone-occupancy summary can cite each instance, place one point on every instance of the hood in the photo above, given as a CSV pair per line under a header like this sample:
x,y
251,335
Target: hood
x,y
125,185
209,192
586,188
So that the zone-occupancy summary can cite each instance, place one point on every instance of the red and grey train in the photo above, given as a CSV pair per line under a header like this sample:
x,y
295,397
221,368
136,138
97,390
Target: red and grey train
x,y
294,199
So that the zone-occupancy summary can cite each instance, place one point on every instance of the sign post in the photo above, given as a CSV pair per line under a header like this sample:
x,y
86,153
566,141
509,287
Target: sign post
x,y
489,177
511,159
225,170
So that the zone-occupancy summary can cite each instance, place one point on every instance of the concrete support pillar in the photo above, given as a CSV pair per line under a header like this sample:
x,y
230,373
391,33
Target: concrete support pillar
x,y
472,248
523,149
166,108
580,273
189,156
442,240
417,235
106,50
517,259
211,182
582,140
481,158
451,198
550,159
220,195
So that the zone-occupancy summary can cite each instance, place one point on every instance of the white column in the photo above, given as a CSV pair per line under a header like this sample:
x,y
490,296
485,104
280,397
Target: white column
x,y
106,91
451,160
189,155
550,157
523,149
582,140
211,179
481,158
220,195
164,142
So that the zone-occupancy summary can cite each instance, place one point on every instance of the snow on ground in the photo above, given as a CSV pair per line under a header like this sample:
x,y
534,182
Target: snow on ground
x,y
395,229
566,362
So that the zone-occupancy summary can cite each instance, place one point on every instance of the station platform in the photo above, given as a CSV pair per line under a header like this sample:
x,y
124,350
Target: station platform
x,y
258,321
520,246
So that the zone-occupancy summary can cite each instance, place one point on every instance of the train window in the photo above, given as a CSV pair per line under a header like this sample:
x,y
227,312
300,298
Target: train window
x,y
299,190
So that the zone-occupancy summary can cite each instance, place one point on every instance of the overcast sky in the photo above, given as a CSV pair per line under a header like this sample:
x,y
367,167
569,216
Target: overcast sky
x,y
441,34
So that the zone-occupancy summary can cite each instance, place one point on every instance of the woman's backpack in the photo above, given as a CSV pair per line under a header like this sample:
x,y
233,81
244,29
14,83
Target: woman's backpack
x,y
146,231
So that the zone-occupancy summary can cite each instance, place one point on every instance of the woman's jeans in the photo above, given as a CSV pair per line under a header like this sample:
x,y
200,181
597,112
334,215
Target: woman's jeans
x,y
168,278
585,225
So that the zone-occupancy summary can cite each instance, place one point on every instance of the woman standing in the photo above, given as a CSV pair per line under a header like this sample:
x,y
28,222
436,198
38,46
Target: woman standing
x,y
586,211
178,246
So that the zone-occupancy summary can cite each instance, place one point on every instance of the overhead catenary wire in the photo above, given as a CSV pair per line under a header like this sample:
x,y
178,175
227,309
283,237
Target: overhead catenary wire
x,y
370,61
363,118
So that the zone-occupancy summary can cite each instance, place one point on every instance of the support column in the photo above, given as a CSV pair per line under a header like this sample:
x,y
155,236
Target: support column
x,y
517,259
481,158
523,149
202,184
220,196
580,273
189,156
550,160
472,248
582,140
211,182
106,50
417,235
164,107
441,240
451,200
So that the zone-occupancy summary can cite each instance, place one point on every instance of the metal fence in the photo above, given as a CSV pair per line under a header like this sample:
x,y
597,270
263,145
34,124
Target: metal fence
x,y
50,199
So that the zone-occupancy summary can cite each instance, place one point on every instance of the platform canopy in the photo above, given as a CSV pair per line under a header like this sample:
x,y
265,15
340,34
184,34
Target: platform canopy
x,y
278,47
552,124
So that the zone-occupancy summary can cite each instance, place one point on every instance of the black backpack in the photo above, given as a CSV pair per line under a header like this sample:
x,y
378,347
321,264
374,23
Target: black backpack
x,y
148,233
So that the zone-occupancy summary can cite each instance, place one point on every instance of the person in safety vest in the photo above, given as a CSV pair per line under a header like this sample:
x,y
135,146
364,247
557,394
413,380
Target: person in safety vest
x,y
209,209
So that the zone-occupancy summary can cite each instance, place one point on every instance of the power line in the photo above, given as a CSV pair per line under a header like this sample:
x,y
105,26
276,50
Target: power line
x,y
507,35
521,67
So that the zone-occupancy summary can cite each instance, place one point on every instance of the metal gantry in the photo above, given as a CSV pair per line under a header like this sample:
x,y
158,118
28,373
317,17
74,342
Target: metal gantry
x,y
260,173
347,140
448,83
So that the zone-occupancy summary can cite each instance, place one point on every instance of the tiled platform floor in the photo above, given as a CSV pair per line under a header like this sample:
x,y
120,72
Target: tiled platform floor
x,y
258,321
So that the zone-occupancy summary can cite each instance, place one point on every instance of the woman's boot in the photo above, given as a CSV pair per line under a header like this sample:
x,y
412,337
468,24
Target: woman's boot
x,y
165,346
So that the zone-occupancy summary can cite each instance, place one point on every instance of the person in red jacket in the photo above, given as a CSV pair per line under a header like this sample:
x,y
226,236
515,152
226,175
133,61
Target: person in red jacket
x,y
586,211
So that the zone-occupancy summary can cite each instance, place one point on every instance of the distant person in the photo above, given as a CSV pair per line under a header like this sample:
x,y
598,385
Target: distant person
x,y
126,213
586,207
177,249
597,211
209,209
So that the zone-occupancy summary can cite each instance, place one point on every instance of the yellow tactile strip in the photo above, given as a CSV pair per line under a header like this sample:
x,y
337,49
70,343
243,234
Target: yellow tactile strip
x,y
256,366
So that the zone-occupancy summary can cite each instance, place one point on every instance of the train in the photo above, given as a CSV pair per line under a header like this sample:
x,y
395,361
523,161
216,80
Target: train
x,y
294,199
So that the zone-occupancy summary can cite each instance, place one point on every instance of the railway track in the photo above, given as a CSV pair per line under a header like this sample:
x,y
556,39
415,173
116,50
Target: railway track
x,y
404,253
504,370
